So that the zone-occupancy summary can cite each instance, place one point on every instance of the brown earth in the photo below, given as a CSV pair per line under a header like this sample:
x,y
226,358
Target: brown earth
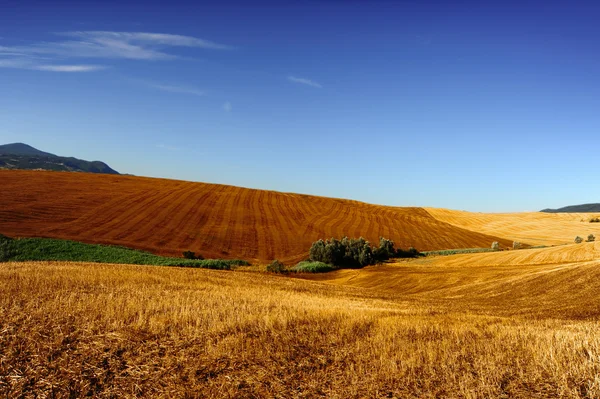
x,y
170,216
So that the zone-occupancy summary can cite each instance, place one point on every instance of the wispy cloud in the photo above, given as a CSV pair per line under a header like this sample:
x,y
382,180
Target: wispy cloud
x,y
104,45
24,63
227,107
177,89
304,81
68,68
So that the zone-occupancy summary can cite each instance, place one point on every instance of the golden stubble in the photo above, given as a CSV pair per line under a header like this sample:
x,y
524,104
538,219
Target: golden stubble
x,y
133,331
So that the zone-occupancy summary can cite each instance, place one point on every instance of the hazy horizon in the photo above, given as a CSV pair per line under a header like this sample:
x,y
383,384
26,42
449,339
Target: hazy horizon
x,y
468,106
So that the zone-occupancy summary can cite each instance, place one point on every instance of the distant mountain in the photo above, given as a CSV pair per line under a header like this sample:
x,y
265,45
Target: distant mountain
x,y
575,209
23,156
22,149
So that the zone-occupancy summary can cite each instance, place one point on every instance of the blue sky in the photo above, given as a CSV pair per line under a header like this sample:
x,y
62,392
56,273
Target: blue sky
x,y
479,106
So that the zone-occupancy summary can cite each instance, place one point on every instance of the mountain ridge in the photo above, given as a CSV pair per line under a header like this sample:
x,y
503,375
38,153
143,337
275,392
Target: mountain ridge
x,y
582,208
25,157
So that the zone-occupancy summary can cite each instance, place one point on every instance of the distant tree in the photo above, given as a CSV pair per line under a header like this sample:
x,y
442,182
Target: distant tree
x,y
385,250
192,255
495,246
516,245
276,267
578,240
591,238
355,252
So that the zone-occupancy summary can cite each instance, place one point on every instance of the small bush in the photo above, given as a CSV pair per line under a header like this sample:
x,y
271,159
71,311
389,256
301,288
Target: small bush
x,y
516,245
189,255
238,262
447,252
412,252
595,220
216,264
276,267
496,246
591,238
313,267
7,248
578,240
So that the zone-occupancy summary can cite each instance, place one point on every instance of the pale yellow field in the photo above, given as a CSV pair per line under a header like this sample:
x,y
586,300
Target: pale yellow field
x,y
467,326
533,228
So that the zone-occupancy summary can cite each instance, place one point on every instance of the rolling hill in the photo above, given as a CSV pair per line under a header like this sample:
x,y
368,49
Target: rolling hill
x,y
535,228
575,208
23,156
169,216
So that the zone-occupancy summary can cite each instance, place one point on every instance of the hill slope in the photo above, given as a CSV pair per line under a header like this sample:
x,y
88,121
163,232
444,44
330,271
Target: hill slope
x,y
535,228
22,149
575,208
23,156
169,216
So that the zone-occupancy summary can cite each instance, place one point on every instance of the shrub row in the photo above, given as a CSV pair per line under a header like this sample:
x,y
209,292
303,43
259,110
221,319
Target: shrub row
x,y
46,249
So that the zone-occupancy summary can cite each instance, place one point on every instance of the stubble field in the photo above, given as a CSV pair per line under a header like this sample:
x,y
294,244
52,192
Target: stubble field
x,y
425,328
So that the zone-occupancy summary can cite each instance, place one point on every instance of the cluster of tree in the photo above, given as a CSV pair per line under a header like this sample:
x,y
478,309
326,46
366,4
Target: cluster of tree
x,y
590,238
496,245
356,252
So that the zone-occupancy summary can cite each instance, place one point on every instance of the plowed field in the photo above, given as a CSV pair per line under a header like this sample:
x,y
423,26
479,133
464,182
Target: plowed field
x,y
170,216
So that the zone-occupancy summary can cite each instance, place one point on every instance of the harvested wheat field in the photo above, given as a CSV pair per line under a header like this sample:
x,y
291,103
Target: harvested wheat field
x,y
534,228
415,329
170,216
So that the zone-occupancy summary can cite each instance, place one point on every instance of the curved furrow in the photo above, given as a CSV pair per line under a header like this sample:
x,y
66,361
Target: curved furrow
x,y
276,224
140,216
205,212
292,215
117,219
97,216
164,220
314,227
340,219
249,236
266,246
185,229
328,220
214,237
232,234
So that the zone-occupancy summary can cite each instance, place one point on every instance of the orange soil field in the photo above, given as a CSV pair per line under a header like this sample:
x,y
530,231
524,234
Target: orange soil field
x,y
170,216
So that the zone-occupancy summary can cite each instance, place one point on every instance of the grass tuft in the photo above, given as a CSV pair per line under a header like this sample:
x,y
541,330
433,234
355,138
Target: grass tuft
x,y
313,267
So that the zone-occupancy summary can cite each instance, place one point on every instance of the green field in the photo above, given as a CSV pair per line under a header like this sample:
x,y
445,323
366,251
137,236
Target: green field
x,y
46,249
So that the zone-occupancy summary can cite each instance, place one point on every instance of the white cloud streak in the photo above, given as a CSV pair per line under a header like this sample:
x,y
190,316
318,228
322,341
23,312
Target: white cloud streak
x,y
304,81
28,64
99,44
177,89
68,68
